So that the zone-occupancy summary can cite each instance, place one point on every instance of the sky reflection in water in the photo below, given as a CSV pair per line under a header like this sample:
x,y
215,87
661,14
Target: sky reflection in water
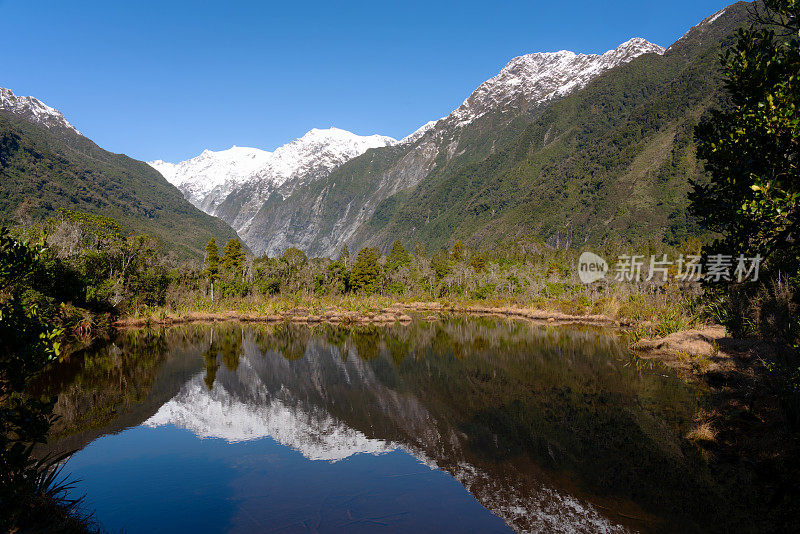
x,y
468,424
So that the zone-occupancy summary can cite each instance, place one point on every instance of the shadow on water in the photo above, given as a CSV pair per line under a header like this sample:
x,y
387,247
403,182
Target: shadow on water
x,y
548,428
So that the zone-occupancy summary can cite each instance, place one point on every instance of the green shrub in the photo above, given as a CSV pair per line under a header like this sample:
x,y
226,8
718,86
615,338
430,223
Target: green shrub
x,y
233,288
774,314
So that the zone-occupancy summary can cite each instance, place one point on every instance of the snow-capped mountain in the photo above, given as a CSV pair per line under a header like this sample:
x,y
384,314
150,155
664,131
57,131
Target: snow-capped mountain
x,y
33,110
539,77
217,414
235,184
206,179
525,85
246,177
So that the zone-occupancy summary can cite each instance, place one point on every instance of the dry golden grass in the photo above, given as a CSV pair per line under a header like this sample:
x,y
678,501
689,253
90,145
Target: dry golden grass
x,y
703,434
661,311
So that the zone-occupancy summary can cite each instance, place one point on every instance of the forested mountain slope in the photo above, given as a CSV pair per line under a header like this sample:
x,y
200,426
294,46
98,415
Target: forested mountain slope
x,y
323,215
45,164
611,162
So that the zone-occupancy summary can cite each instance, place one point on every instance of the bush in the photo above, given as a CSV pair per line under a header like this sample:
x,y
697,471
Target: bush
x,y
269,286
773,313
233,288
484,292
395,288
767,311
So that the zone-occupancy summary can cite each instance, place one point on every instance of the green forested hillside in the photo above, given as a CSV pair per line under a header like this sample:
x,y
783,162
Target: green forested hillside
x,y
611,162
43,169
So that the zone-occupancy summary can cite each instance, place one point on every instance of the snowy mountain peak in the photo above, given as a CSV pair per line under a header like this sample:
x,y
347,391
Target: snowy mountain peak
x,y
212,168
636,46
336,140
207,180
33,110
539,77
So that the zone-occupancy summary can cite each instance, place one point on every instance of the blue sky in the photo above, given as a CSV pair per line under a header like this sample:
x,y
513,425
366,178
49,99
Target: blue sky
x,y
164,80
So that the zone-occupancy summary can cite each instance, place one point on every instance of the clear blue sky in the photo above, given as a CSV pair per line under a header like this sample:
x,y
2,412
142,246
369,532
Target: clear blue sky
x,y
167,79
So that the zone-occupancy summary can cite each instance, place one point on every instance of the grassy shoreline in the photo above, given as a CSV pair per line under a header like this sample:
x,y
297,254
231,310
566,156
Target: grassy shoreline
x,y
646,320
695,348
665,312
361,314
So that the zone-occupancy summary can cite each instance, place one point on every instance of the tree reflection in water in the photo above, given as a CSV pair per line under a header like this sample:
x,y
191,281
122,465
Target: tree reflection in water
x,y
538,423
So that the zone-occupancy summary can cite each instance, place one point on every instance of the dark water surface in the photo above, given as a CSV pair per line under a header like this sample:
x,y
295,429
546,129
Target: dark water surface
x,y
463,425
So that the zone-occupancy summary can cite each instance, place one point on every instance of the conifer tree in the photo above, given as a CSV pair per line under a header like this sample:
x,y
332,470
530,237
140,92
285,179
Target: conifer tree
x,y
233,260
212,264
365,275
397,257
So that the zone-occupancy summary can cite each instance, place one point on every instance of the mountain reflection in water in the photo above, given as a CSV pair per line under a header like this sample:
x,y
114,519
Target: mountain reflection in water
x,y
547,428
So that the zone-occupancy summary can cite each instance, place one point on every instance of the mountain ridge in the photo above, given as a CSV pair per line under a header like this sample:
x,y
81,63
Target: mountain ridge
x,y
247,203
46,164
232,184
479,182
33,110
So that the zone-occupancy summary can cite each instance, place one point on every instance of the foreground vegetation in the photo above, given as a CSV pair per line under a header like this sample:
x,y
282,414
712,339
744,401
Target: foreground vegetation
x,y
34,493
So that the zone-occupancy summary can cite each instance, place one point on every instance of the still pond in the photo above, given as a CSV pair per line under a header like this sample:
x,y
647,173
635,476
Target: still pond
x,y
460,425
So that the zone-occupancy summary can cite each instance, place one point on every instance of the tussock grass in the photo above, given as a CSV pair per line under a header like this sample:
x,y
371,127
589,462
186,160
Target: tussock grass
x,y
654,313
703,434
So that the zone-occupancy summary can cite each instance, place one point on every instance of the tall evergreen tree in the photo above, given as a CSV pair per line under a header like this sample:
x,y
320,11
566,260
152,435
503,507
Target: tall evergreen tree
x,y
212,264
397,257
365,276
233,260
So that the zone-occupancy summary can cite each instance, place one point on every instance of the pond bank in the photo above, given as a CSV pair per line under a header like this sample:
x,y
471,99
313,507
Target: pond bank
x,y
396,312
